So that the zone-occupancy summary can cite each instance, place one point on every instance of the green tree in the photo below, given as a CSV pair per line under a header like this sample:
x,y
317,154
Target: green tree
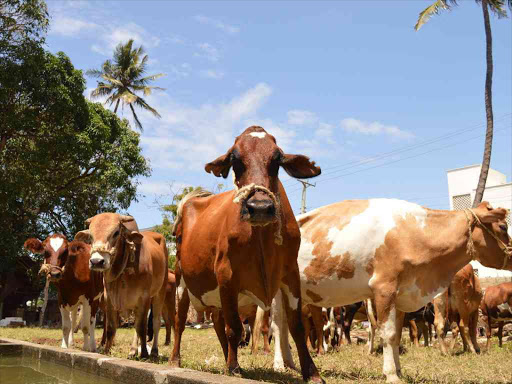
x,y
62,158
498,8
22,22
124,77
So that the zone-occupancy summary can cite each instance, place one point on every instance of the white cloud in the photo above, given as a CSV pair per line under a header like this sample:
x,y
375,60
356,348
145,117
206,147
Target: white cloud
x,y
111,36
208,51
67,26
301,117
217,24
188,137
211,74
324,130
375,128
160,187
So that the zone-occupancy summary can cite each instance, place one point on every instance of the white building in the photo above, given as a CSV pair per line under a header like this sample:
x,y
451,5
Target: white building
x,y
462,184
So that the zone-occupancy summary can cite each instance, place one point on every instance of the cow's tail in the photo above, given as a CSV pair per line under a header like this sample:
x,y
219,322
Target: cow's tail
x,y
256,332
198,192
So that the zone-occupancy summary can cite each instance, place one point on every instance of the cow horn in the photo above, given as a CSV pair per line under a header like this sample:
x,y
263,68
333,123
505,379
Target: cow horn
x,y
126,218
88,222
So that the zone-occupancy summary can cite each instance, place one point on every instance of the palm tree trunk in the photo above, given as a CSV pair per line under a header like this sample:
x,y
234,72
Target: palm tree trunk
x,y
117,105
488,109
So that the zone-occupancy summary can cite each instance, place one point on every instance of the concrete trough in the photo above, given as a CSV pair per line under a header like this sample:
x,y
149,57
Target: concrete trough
x,y
122,371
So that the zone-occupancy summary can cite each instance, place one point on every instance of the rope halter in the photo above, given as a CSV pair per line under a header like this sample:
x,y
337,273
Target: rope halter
x,y
47,268
243,193
507,249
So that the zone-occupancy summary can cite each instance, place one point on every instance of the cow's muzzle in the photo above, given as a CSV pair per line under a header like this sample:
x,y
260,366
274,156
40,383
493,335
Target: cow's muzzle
x,y
98,263
259,209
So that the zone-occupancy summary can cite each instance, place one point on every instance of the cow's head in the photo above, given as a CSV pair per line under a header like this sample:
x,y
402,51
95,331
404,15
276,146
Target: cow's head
x,y
255,159
491,238
108,234
55,252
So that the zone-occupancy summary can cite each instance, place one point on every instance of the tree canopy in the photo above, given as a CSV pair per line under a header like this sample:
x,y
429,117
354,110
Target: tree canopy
x,y
62,157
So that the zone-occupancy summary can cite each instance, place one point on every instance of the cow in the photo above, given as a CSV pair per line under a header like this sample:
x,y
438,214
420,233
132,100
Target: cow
x,y
347,314
397,253
240,247
66,264
134,267
424,318
316,319
459,304
169,310
496,307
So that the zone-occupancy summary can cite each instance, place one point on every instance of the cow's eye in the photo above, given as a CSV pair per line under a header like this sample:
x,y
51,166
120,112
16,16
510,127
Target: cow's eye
x,y
503,227
116,233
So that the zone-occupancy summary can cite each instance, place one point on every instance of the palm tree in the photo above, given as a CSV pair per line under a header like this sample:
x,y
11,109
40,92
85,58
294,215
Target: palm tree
x,y
498,8
123,77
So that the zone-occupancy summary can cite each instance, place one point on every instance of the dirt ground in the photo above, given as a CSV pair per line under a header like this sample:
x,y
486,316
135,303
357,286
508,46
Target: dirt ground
x,y
201,351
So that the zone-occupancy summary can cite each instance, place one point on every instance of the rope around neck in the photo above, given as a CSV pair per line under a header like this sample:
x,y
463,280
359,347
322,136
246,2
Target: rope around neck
x,y
243,193
507,249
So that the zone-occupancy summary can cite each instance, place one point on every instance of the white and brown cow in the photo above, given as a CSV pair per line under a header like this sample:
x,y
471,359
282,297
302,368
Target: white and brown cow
x,y
397,253
67,266
134,267
459,304
240,247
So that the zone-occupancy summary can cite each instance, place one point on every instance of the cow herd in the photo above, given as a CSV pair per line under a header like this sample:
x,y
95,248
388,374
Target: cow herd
x,y
245,247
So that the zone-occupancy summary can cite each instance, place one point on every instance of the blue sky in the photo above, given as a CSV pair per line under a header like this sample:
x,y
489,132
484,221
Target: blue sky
x,y
348,83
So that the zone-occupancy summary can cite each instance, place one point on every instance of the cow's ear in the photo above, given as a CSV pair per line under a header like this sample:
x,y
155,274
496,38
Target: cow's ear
x,y
135,237
84,236
487,214
220,166
299,166
34,245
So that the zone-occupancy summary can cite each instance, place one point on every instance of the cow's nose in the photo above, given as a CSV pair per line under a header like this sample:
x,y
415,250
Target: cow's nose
x,y
261,207
97,263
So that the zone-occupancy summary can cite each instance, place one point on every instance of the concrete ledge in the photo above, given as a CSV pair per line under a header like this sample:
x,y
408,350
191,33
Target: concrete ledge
x,y
122,370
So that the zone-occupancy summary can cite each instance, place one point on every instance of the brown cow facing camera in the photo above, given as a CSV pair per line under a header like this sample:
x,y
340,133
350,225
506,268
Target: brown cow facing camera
x,y
67,266
240,247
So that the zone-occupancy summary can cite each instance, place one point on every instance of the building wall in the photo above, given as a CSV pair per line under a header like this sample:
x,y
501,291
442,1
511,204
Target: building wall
x,y
462,184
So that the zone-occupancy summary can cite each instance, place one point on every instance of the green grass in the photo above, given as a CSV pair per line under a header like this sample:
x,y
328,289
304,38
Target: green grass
x,y
201,351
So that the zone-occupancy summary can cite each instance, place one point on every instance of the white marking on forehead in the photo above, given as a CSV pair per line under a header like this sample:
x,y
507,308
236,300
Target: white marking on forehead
x,y
56,243
259,135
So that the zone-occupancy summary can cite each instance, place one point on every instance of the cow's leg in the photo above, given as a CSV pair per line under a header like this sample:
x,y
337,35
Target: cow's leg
x,y
229,301
66,326
293,306
388,321
455,332
500,333
347,324
282,355
86,324
413,333
473,328
141,326
158,305
307,332
112,319
439,323
318,321
167,321
423,330
220,329
74,313
488,332
179,326
265,331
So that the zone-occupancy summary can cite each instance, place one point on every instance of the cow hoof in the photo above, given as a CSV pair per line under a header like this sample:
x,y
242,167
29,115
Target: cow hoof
x,y
393,379
237,371
175,363
316,379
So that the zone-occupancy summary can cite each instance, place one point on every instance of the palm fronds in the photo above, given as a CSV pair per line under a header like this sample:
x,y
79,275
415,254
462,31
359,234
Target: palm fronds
x,y
124,76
